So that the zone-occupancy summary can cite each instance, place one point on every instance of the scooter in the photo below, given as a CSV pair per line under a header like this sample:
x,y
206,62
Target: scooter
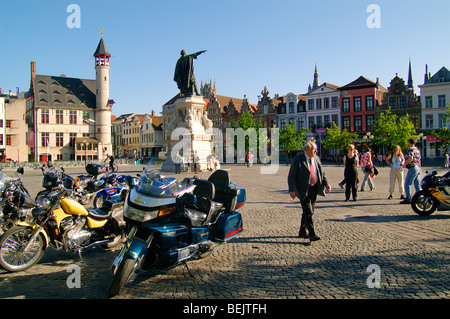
x,y
435,194
168,236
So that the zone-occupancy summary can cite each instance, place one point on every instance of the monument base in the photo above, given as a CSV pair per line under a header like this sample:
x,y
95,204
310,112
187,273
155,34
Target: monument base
x,y
187,136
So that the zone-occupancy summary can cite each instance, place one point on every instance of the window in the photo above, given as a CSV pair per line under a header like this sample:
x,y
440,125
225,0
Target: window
x,y
369,122
403,102
72,137
334,102
291,107
346,123
335,119
358,123
318,104
326,120
44,116
59,117
442,101
73,117
311,122
428,102
357,104
8,140
326,102
393,102
429,121
300,123
311,104
346,105
319,121
369,103
59,139
44,139
8,123
282,124
85,116
441,121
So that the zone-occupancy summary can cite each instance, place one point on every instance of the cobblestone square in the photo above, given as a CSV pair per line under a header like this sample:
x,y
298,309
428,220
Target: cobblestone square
x,y
268,260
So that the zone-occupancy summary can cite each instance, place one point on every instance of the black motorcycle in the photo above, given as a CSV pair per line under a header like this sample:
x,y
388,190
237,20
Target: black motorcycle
x,y
16,203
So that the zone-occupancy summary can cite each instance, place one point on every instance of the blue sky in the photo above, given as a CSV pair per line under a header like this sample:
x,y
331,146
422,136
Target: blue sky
x,y
250,44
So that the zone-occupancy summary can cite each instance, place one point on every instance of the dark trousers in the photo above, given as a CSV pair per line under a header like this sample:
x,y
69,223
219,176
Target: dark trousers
x,y
308,203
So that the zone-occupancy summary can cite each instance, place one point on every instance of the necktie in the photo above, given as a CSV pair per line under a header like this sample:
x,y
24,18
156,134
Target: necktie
x,y
313,172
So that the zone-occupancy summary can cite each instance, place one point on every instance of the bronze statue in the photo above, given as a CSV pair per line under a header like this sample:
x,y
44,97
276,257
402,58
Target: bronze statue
x,y
184,73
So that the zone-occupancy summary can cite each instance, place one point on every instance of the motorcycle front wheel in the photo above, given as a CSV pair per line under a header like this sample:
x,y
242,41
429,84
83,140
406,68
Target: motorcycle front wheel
x,y
126,269
423,203
13,256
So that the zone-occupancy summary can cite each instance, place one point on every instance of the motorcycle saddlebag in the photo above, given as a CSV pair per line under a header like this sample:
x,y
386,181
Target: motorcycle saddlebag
x,y
227,226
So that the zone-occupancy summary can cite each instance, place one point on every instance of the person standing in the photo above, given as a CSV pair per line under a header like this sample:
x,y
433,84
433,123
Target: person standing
x,y
177,163
412,163
351,173
396,173
366,167
306,180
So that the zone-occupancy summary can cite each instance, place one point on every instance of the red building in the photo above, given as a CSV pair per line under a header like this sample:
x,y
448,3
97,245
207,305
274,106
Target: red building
x,y
359,100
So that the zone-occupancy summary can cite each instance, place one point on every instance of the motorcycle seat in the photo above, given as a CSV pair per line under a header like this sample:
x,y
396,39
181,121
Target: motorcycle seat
x,y
203,211
99,213
224,193
110,205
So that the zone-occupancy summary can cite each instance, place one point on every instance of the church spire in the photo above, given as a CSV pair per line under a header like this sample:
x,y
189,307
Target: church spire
x,y
316,78
410,80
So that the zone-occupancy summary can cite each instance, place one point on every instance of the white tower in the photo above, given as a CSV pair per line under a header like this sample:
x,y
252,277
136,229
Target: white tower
x,y
103,103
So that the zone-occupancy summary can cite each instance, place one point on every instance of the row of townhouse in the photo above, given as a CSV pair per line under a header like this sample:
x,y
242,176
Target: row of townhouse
x,y
354,106
137,135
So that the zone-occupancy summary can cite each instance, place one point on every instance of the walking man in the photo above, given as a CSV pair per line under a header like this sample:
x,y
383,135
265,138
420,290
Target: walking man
x,y
412,163
306,180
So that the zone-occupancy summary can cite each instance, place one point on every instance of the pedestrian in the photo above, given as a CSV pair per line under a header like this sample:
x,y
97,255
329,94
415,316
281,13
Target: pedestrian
x,y
397,159
367,168
446,164
412,163
177,163
188,162
351,173
196,163
250,159
306,180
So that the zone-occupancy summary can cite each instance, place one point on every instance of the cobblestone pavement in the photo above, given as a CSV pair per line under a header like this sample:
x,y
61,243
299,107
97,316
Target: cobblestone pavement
x,y
268,260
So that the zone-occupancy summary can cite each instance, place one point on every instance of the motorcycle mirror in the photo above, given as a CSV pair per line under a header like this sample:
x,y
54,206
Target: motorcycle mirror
x,y
20,170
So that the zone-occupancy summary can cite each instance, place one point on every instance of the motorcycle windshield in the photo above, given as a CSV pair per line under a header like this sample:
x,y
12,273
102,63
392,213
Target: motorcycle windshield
x,y
3,180
152,183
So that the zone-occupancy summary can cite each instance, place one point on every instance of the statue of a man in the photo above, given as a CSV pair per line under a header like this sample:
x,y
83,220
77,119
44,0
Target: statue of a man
x,y
184,73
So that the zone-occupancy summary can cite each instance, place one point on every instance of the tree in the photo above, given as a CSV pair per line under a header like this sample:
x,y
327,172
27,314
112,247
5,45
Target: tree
x,y
389,130
291,139
338,139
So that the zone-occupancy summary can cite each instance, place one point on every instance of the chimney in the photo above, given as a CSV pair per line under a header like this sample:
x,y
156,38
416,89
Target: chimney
x,y
153,112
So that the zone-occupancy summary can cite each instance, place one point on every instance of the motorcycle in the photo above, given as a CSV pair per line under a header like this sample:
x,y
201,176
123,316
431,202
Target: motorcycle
x,y
435,194
62,223
111,193
16,203
163,236
53,179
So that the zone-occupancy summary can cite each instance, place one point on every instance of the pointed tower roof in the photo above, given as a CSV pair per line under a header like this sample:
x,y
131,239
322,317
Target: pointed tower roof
x,y
316,83
410,80
102,49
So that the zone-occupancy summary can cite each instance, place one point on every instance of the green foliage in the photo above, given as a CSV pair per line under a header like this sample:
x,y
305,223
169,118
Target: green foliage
x,y
338,139
291,139
389,130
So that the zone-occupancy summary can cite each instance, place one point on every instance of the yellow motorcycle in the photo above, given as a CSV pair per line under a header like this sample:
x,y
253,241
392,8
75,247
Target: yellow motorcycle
x,y
63,223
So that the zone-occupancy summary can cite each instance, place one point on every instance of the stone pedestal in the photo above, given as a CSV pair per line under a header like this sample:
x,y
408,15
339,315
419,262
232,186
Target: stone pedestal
x,y
187,133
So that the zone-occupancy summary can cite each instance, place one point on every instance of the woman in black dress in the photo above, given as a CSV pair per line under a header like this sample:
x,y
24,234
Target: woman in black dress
x,y
351,162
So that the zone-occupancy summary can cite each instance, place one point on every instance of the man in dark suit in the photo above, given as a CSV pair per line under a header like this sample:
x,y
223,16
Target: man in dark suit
x,y
306,180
